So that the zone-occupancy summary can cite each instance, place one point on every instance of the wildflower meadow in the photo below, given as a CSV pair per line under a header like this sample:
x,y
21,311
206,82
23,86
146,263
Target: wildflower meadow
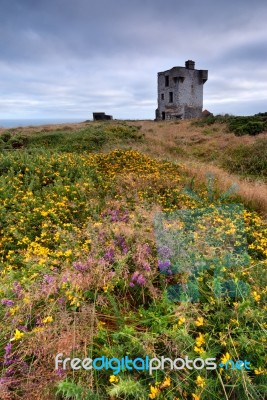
x,y
84,272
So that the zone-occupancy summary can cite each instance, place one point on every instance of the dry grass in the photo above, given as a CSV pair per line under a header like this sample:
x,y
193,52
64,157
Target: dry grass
x,y
201,152
253,193
185,141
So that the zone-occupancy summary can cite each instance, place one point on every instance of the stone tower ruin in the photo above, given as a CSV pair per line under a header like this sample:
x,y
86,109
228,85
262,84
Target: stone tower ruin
x,y
180,92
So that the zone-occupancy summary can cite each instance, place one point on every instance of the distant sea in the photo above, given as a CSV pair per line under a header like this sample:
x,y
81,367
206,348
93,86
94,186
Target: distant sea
x,y
15,123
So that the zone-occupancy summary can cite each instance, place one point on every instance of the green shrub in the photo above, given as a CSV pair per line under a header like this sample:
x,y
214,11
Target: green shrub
x,y
91,138
18,141
210,120
247,126
5,136
250,125
248,159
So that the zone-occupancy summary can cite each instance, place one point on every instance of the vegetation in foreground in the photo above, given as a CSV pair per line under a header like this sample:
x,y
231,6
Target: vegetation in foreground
x,y
80,275
251,125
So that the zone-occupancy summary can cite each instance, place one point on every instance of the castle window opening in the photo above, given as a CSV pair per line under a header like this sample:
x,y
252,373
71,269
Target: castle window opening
x,y
166,80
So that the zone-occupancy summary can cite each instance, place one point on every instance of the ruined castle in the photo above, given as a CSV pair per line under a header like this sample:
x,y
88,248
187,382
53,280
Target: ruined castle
x,y
180,92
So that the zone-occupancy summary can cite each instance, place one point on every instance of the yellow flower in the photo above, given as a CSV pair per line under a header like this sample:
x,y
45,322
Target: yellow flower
x,y
181,320
44,213
18,335
199,321
225,358
68,253
26,300
100,324
47,319
259,371
234,321
199,350
113,379
200,340
154,392
105,288
256,296
166,382
200,381
38,329
13,310
195,396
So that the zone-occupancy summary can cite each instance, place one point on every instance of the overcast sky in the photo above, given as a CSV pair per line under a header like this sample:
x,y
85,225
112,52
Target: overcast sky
x,y
68,58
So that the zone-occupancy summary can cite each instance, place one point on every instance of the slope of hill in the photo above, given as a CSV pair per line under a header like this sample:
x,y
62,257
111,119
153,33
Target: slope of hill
x,y
92,216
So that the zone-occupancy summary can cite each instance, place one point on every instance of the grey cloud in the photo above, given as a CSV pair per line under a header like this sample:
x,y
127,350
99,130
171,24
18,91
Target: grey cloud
x,y
71,57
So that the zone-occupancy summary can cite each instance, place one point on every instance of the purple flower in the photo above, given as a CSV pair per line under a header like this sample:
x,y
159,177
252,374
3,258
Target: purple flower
x,y
61,301
117,215
141,280
109,254
60,372
9,359
121,242
7,302
164,265
8,348
48,279
137,278
146,266
147,249
164,251
135,275
22,328
4,381
114,214
101,236
125,217
80,266
17,289
65,278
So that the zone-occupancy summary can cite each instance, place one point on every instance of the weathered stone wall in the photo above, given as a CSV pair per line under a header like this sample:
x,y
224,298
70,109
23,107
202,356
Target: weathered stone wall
x,y
186,86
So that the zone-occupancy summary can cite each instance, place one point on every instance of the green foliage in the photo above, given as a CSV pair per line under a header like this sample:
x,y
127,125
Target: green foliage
x,y
129,389
210,120
91,138
249,125
5,136
248,159
69,390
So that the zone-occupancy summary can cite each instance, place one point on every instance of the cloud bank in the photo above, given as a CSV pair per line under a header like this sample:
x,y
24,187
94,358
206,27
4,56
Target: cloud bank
x,y
67,59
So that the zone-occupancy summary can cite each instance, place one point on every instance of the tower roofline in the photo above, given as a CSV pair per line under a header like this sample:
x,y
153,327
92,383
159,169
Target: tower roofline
x,y
189,64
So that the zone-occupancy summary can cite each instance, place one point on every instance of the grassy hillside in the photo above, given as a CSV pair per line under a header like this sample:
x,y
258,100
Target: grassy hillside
x,y
85,210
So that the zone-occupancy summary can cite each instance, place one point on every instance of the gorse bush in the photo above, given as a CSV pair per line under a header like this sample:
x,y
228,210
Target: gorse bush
x,y
251,125
247,125
248,159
